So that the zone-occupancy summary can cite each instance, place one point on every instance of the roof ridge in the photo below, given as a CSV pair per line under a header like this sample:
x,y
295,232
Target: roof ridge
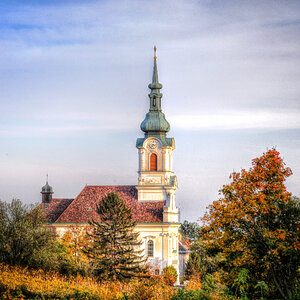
x,y
69,205
62,198
66,207
111,185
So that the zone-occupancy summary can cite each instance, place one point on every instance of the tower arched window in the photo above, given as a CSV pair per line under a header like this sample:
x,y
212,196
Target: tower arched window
x,y
153,162
150,248
154,101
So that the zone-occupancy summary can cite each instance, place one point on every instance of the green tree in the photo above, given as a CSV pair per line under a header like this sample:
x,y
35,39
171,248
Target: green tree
x,y
190,230
201,262
115,253
24,240
255,225
241,283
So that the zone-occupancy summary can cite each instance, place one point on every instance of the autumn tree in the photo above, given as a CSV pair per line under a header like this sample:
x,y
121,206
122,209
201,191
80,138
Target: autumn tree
x,y
75,240
115,253
255,225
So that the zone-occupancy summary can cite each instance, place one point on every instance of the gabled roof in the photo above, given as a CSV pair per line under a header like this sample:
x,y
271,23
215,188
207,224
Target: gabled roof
x,y
55,208
83,208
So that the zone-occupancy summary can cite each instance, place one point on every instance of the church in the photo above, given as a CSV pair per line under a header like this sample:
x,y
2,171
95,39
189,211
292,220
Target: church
x,y
152,200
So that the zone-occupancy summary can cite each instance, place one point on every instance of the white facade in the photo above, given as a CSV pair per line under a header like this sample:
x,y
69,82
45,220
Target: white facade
x,y
164,238
165,244
159,185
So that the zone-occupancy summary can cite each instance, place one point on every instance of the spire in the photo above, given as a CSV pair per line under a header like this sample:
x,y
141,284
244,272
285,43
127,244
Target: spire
x,y
155,86
155,123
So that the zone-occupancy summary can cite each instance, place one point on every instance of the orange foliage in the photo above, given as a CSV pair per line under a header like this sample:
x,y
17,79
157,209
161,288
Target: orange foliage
x,y
244,214
75,240
55,286
194,283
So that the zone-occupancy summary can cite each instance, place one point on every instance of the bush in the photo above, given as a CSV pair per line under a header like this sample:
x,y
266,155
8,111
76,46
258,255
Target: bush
x,y
183,294
150,288
32,284
170,275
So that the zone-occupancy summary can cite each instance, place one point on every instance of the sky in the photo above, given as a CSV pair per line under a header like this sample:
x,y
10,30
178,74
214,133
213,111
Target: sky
x,y
73,92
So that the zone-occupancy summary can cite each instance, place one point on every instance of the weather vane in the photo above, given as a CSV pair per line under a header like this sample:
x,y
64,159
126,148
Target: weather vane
x,y
155,52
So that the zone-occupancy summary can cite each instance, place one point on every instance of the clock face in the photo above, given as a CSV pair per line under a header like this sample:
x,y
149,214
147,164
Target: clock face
x,y
152,145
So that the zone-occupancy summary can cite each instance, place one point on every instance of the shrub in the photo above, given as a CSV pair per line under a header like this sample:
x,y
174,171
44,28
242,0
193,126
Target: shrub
x,y
183,294
170,275
151,288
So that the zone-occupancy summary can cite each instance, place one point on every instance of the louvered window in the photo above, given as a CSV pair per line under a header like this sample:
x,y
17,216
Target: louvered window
x,y
153,162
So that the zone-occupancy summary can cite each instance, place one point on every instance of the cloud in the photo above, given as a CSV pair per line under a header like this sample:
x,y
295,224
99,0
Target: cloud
x,y
238,120
68,124
78,71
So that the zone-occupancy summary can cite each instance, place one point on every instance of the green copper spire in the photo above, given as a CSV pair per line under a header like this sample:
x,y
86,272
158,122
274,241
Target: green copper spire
x,y
155,123
155,86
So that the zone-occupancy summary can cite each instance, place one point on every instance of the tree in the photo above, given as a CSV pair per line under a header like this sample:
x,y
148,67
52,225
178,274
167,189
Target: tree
x,y
255,225
115,253
190,230
74,241
24,240
200,262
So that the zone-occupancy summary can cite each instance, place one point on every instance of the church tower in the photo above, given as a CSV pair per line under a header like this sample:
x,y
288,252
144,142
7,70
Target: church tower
x,y
156,181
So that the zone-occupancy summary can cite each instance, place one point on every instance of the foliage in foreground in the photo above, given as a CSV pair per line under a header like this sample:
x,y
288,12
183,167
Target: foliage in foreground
x,y
30,284
17,283
33,283
255,226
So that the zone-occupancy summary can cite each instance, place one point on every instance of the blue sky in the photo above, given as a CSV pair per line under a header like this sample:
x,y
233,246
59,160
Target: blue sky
x,y
73,91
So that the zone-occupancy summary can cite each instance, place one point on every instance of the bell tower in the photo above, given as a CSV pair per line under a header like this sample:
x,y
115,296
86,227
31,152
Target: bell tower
x,y
156,181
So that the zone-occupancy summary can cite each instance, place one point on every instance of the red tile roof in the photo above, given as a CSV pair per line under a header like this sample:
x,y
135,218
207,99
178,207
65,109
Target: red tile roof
x,y
55,208
82,208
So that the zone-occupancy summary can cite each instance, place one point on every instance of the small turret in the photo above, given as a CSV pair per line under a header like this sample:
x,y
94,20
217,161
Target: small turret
x,y
46,192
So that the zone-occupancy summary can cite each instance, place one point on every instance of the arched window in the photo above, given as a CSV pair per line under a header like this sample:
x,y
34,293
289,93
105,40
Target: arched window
x,y
150,248
154,101
153,162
